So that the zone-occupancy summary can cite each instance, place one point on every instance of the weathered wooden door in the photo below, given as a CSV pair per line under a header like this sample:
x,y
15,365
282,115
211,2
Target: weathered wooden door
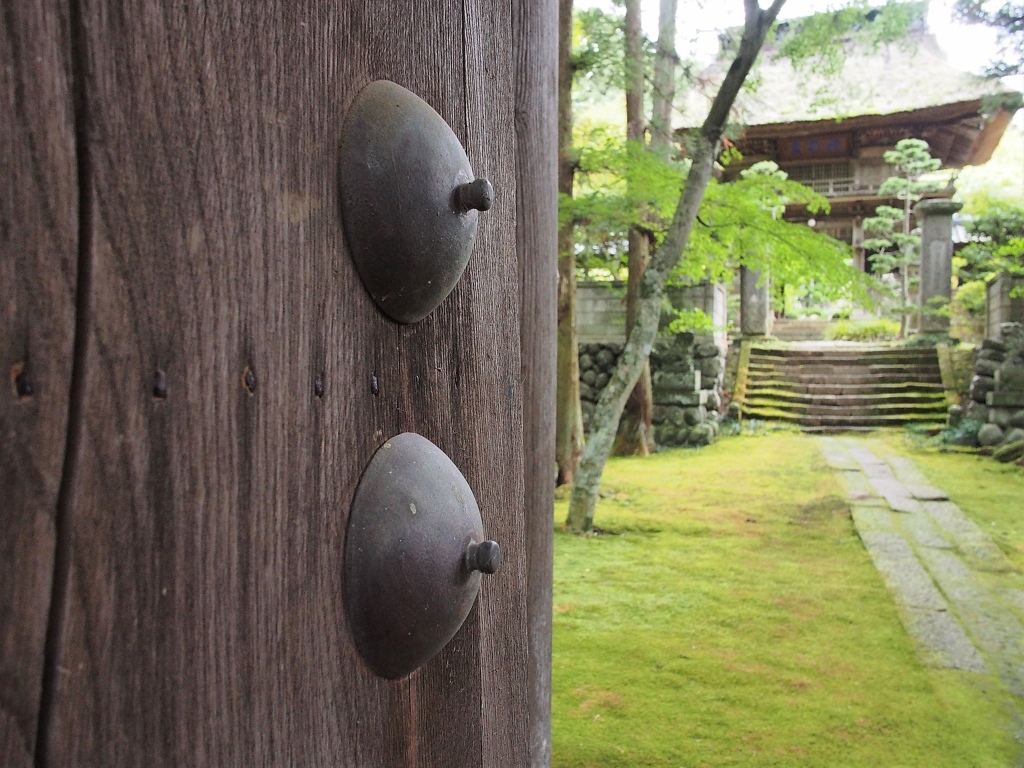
x,y
197,379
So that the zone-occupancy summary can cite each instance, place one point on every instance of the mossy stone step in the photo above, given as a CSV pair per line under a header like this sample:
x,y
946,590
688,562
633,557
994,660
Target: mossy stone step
x,y
846,379
844,387
840,420
859,410
926,399
852,370
845,360
848,389
844,352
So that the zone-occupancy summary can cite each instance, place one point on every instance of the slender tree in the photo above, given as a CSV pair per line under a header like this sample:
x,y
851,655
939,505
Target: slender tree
x,y
568,414
640,340
664,88
635,435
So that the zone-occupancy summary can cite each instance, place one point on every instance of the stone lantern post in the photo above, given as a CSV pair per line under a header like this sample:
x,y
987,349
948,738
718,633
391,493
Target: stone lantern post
x,y
755,309
936,219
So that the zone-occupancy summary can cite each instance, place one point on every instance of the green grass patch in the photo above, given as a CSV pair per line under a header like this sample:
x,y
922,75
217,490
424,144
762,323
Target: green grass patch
x,y
863,330
727,615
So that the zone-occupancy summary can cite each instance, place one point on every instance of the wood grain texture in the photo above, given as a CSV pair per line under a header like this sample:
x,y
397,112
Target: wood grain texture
x,y
205,617
38,262
535,47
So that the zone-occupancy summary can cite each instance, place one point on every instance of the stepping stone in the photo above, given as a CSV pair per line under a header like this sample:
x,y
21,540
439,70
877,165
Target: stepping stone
x,y
858,488
995,628
944,603
1015,598
973,542
842,464
879,473
986,556
862,454
926,493
943,641
836,456
906,470
954,522
871,518
958,582
902,572
923,530
896,495
903,504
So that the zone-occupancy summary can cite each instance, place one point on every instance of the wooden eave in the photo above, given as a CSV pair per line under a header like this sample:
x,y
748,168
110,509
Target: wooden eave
x,y
851,206
956,132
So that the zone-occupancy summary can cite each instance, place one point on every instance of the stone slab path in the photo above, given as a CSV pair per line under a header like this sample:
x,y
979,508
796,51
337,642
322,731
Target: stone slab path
x,y
934,559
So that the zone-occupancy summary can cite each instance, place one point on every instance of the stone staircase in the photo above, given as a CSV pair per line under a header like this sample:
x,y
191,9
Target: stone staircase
x,y
835,387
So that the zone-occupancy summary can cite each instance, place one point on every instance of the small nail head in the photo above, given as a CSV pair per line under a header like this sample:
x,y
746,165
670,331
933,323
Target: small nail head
x,y
160,384
477,195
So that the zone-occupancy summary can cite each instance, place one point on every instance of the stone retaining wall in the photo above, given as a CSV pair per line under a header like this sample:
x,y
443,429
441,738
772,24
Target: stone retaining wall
x,y
686,377
997,388
1001,306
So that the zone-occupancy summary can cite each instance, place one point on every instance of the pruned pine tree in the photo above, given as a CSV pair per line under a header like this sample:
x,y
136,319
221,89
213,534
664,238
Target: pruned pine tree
x,y
897,248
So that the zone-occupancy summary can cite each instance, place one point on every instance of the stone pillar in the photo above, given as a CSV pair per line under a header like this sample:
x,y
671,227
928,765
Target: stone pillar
x,y
936,219
709,298
755,309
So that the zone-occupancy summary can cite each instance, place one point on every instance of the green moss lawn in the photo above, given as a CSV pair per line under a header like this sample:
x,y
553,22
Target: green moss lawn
x,y
727,615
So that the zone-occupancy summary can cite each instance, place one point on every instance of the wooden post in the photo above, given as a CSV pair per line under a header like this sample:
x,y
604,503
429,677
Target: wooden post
x,y
534,41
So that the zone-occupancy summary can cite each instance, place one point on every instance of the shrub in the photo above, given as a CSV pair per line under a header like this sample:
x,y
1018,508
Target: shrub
x,y
930,340
964,432
863,330
970,297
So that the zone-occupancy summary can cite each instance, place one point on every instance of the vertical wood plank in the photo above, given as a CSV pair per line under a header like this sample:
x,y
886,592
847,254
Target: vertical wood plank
x,y
38,264
535,46
494,280
206,622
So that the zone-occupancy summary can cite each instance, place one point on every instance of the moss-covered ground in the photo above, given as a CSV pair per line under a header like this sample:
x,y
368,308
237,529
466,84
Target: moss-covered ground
x,y
728,615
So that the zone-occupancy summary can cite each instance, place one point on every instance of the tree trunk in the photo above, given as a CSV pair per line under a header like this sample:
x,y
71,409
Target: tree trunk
x,y
568,415
664,78
635,434
641,337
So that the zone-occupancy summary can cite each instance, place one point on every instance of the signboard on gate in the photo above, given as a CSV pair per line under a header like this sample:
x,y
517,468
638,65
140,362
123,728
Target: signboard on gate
x,y
814,147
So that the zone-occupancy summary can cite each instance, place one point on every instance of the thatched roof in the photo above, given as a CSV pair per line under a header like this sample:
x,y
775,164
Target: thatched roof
x,y
875,80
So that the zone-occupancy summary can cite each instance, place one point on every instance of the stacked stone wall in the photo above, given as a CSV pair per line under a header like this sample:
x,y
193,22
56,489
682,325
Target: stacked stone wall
x,y
686,378
997,388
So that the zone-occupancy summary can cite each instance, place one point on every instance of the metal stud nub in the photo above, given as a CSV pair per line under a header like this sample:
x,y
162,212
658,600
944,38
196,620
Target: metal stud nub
x,y
484,557
477,195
